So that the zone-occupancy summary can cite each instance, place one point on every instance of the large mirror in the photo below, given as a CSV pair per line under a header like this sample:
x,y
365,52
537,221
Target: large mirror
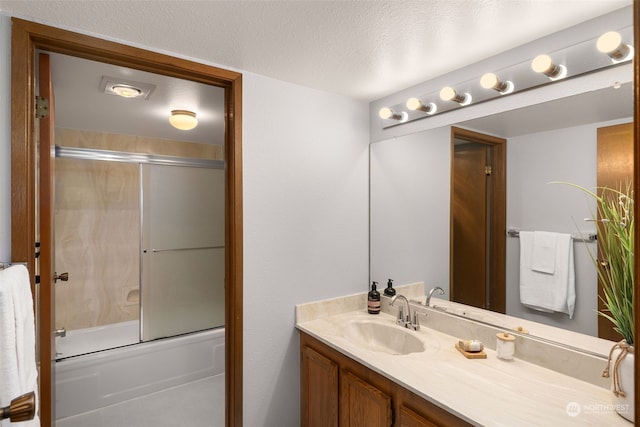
x,y
551,141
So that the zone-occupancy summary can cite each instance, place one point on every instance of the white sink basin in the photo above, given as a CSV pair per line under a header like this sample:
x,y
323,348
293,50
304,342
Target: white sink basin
x,y
382,337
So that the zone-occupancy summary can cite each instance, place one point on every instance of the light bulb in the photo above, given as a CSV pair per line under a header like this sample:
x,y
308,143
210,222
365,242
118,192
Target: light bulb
x,y
415,104
126,91
611,44
544,64
491,81
449,94
387,113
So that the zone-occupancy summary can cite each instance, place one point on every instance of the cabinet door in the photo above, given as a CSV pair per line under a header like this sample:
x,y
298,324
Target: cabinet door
x,y
361,404
319,390
409,418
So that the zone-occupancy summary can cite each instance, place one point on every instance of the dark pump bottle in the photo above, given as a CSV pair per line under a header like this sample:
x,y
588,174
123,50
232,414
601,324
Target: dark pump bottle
x,y
389,291
373,300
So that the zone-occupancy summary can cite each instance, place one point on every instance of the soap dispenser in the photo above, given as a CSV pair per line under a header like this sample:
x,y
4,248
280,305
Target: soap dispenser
x,y
373,300
389,291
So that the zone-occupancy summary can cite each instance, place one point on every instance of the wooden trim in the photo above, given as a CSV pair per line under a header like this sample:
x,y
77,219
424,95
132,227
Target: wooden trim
x,y
636,188
498,244
27,37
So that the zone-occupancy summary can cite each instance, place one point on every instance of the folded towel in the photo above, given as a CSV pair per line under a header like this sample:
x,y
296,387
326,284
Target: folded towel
x,y
18,372
543,257
548,292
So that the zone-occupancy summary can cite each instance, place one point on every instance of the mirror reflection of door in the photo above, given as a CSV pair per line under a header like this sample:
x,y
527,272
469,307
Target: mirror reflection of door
x,y
478,220
615,170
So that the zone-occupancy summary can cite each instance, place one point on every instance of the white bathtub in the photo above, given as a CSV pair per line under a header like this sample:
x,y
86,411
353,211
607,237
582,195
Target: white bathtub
x,y
93,381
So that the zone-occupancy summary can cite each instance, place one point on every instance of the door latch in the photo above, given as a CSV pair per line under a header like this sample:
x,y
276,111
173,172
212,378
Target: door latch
x,y
64,277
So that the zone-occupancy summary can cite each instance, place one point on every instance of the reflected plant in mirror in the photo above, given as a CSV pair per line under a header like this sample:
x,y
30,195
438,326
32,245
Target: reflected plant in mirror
x,y
614,261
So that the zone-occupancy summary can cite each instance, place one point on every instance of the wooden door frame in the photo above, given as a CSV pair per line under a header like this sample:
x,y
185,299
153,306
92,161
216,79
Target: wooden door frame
x,y
497,246
27,37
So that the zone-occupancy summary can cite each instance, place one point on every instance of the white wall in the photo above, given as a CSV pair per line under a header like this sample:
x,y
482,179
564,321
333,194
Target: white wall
x,y
305,222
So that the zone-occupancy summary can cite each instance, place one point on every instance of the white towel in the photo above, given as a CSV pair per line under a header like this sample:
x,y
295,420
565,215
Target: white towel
x,y
548,292
543,257
18,372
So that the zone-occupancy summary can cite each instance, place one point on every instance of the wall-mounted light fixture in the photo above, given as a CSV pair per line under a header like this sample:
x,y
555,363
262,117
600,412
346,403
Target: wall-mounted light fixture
x,y
448,93
414,104
611,43
183,119
388,114
576,60
544,64
491,81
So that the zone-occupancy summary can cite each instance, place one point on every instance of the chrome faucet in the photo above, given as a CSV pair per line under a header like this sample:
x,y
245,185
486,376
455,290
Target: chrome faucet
x,y
437,288
406,321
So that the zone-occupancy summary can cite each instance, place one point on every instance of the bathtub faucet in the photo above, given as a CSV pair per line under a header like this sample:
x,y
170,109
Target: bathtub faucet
x,y
62,332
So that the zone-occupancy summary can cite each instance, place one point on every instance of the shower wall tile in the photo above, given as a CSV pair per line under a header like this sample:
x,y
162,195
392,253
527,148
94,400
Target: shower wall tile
x,y
97,226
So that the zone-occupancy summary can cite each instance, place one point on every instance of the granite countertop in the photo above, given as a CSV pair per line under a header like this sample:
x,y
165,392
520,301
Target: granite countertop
x,y
487,392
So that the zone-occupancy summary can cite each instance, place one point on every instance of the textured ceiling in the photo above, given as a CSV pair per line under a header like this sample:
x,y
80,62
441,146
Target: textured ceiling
x,y
362,49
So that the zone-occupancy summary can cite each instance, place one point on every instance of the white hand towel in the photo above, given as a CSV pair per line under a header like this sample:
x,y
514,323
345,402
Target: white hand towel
x,y
18,372
543,291
543,258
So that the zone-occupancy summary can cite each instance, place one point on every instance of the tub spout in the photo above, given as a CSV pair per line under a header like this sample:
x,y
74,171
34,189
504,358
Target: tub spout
x,y
62,332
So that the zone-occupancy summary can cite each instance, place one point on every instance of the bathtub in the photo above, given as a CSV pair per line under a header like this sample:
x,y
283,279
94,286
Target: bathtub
x,y
92,381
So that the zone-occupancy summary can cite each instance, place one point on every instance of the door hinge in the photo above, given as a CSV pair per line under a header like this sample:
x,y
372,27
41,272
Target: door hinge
x,y
488,170
42,107
37,279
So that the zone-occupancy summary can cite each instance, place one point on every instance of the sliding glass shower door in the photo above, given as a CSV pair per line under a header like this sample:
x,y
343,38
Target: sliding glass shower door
x,y
182,261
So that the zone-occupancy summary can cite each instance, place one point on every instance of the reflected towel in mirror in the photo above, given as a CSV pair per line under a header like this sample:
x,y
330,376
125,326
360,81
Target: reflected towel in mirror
x,y
543,291
543,257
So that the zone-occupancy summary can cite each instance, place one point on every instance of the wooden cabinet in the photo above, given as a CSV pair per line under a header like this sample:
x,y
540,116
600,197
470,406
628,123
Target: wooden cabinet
x,y
318,389
361,404
338,391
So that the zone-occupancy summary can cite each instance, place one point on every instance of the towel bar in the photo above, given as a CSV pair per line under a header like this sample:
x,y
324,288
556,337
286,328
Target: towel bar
x,y
22,408
591,237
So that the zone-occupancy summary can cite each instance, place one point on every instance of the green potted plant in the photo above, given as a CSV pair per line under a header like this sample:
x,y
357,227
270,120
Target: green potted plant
x,y
614,262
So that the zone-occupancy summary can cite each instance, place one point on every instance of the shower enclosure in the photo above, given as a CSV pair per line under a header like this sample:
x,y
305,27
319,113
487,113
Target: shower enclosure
x,y
142,238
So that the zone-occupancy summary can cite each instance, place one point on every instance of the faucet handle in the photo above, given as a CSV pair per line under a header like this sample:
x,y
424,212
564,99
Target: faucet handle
x,y
416,321
400,320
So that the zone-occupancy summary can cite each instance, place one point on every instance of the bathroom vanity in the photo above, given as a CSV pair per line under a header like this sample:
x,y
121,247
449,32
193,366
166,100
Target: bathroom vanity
x,y
337,390
361,369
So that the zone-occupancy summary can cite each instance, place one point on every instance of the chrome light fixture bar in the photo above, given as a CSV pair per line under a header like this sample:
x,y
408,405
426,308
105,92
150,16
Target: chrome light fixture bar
x,y
605,51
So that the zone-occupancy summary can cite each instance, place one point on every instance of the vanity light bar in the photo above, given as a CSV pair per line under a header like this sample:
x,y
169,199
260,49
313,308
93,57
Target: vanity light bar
x,y
605,51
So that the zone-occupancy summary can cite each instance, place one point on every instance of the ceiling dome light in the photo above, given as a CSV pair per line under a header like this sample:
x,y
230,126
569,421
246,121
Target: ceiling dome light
x,y
126,91
611,44
183,119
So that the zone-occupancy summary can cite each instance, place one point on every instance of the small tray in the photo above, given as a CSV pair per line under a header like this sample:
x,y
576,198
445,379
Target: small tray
x,y
469,355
